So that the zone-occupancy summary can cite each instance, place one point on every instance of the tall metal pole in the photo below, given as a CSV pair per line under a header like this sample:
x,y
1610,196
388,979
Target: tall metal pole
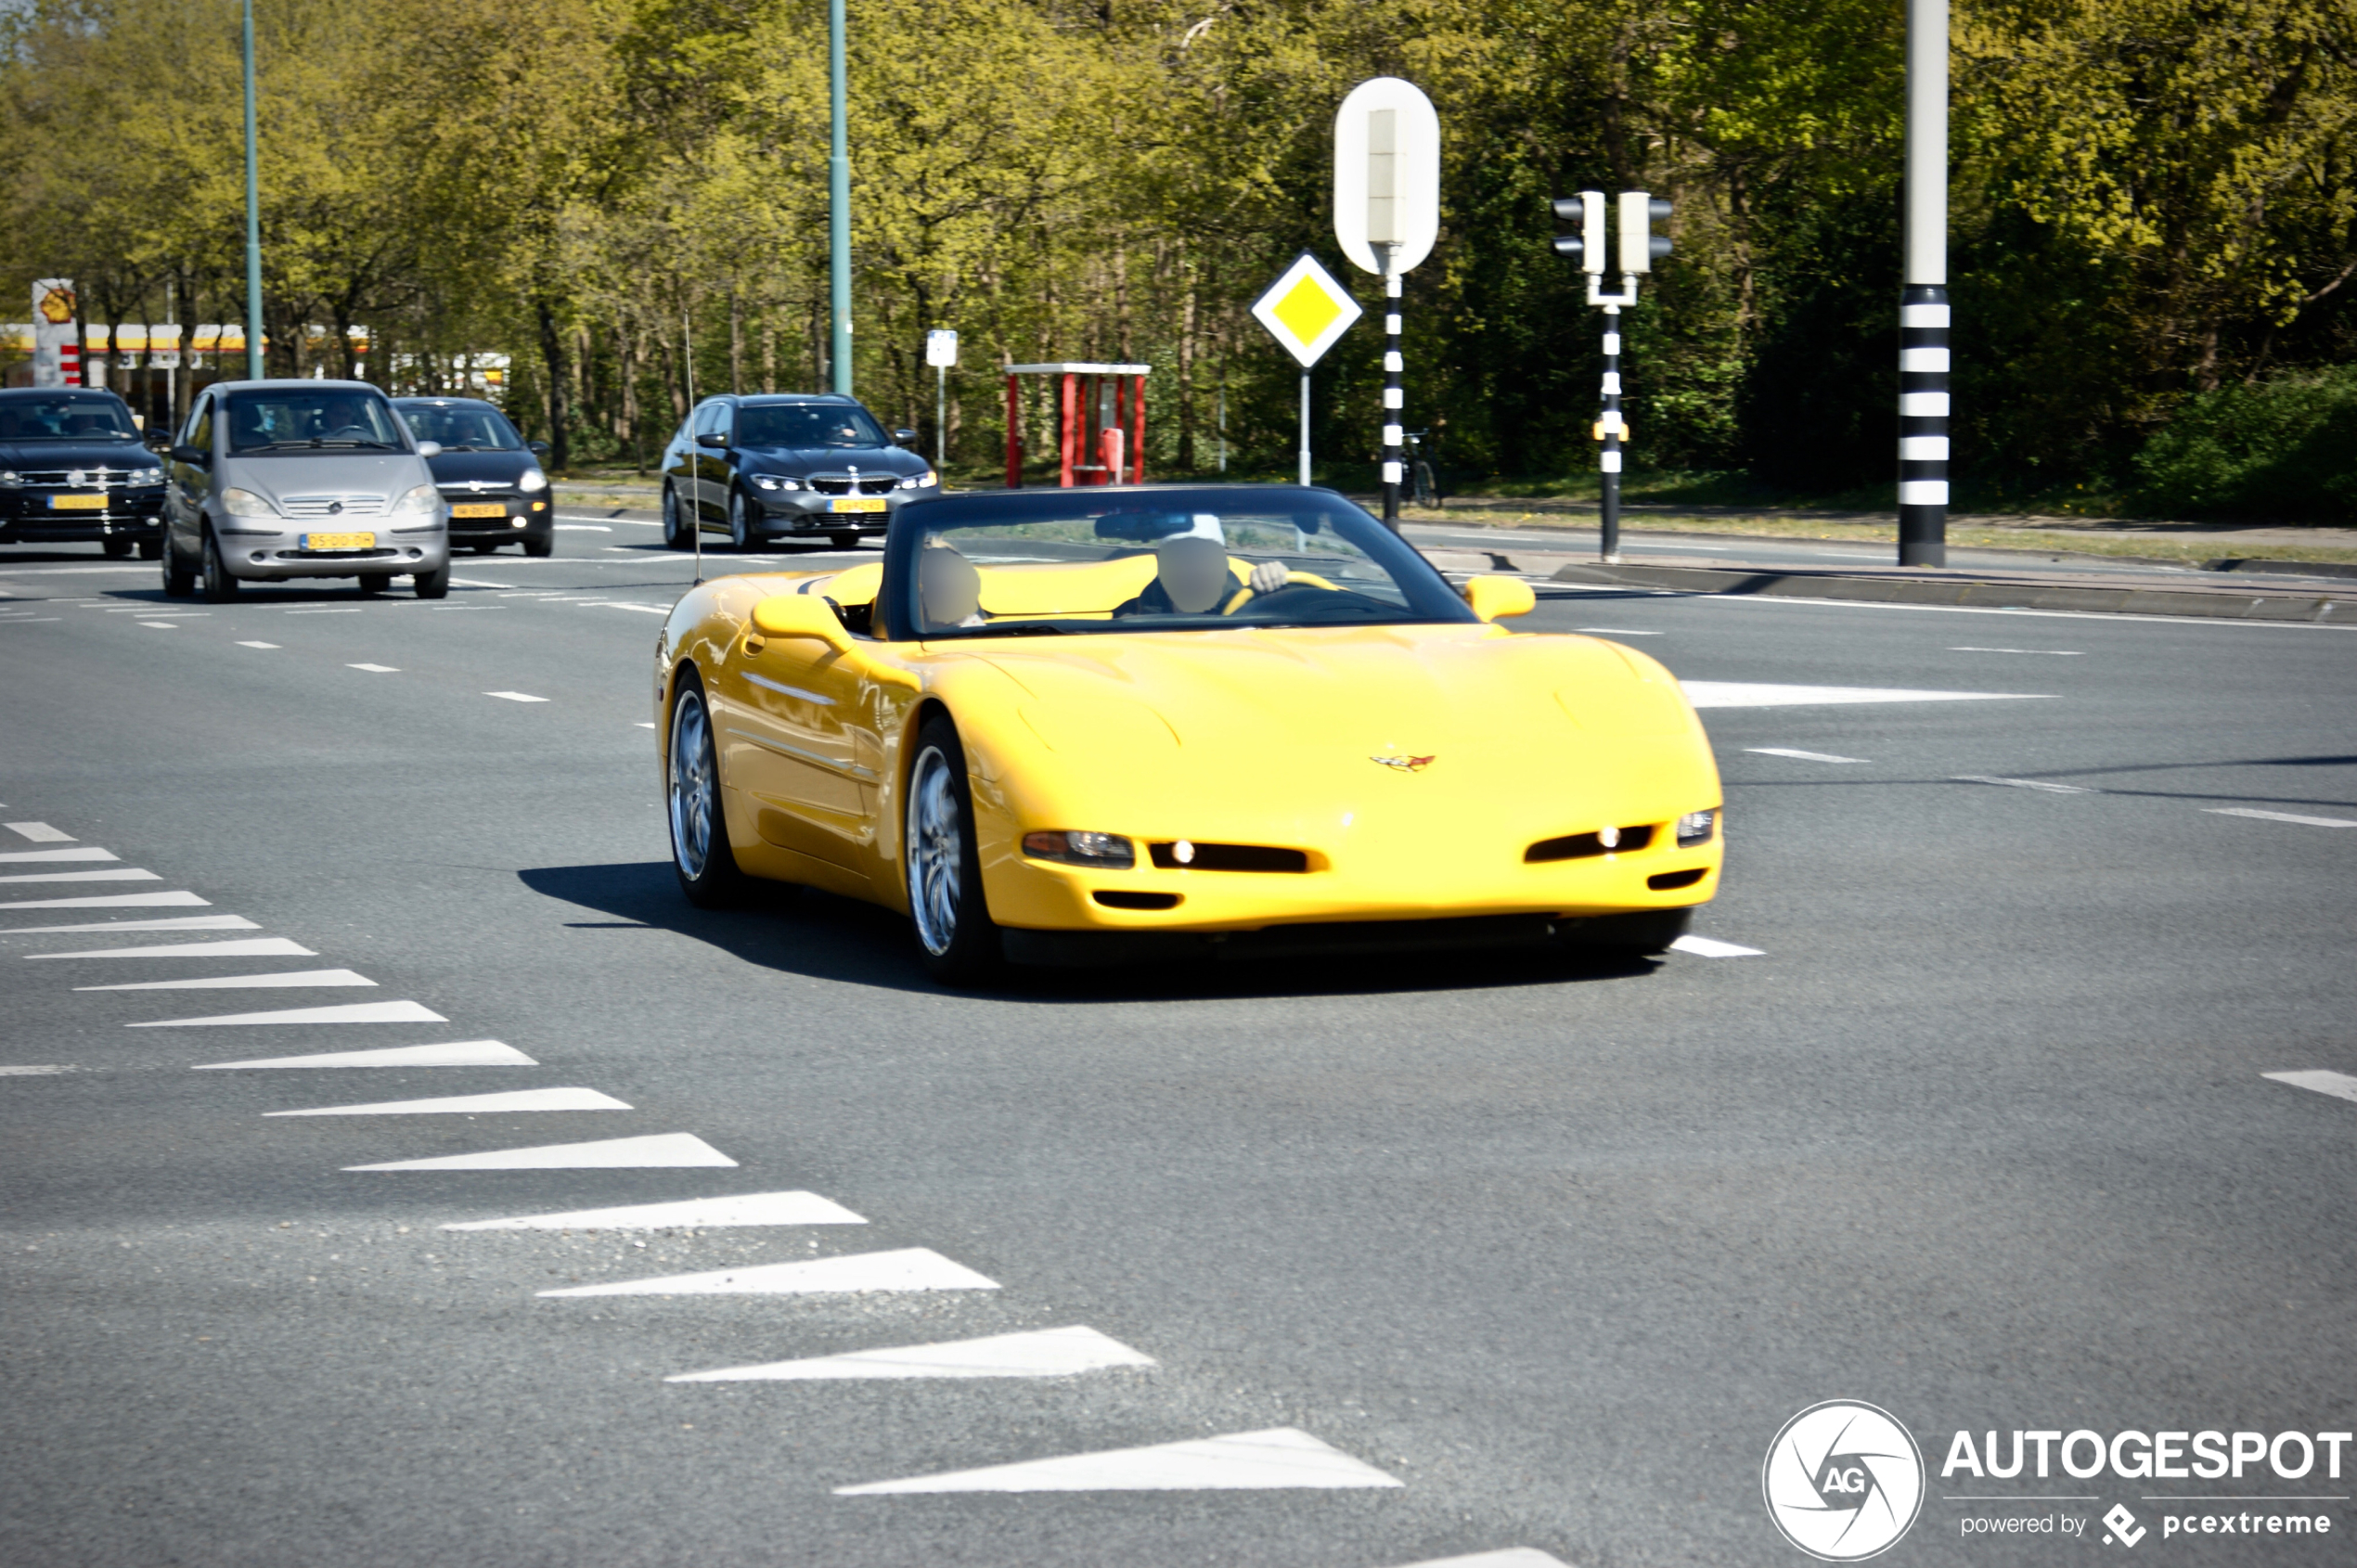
x,y
940,417
1609,542
253,217
1923,307
1394,437
695,451
839,201
1305,428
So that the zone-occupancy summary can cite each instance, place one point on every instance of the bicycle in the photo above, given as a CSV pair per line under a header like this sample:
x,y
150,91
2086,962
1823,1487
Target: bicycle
x,y
1424,486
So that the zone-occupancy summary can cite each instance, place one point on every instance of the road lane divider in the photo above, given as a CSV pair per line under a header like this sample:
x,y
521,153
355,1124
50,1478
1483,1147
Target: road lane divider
x,y
1040,1352
456,1053
2280,817
251,947
1800,756
289,979
502,1103
650,1151
687,1213
1280,1457
348,1012
2023,784
182,922
905,1268
2339,1085
1712,947
39,833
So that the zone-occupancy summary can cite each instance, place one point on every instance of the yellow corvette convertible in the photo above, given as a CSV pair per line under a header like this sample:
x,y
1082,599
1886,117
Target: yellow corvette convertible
x,y
1090,725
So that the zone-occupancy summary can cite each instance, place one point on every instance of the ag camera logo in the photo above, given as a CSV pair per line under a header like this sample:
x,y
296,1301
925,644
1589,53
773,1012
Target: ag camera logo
x,y
1843,1481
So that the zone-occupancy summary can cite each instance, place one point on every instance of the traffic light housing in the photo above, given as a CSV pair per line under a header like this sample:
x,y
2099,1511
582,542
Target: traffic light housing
x,y
1639,246
1588,247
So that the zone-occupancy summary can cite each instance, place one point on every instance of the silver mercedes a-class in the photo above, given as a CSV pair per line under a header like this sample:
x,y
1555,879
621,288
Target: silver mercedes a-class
x,y
273,482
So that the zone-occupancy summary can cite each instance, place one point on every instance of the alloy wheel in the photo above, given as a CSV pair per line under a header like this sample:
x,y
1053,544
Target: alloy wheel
x,y
695,794
936,851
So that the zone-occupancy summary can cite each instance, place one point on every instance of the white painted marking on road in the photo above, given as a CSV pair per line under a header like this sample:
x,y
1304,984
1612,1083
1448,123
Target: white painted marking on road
x,y
343,610
744,1209
114,901
1748,694
1513,1557
161,625
184,922
29,620
583,528
516,696
1615,631
376,669
1712,947
2280,817
2050,652
349,1012
644,723
909,1268
289,978
39,833
257,645
1802,756
474,1104
25,856
254,948
624,604
456,1053
477,583
2025,784
1045,1353
85,877
654,1151
1281,1457
35,1072
2339,1085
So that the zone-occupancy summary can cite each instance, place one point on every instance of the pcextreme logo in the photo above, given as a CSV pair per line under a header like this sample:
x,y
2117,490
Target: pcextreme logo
x,y
1843,1481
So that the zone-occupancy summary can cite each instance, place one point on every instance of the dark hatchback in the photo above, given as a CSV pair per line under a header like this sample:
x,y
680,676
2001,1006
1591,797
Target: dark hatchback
x,y
73,470
788,465
490,476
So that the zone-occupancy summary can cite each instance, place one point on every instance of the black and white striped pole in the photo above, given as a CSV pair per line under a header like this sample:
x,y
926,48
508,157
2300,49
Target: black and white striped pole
x,y
1386,215
1609,502
1395,439
1924,408
1639,247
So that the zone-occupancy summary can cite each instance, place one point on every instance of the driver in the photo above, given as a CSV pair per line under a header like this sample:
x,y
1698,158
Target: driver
x,y
1192,576
340,418
948,586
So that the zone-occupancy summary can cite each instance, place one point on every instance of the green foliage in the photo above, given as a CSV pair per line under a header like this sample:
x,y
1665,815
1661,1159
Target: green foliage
x,y
2282,448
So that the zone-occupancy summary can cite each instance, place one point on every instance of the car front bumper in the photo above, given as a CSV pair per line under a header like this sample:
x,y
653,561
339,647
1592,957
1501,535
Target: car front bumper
x,y
279,556
520,517
28,515
804,511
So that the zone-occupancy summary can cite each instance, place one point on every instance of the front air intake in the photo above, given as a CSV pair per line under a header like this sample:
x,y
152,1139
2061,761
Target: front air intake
x,y
1579,846
1183,855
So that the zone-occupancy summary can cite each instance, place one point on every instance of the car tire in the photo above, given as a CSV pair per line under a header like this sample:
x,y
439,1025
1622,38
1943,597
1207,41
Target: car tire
x,y
694,805
375,582
741,537
179,582
150,549
674,531
843,541
213,573
539,549
115,550
483,549
956,940
433,584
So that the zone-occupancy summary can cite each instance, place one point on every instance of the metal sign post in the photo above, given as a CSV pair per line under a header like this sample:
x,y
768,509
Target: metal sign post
x,y
1305,309
1386,215
253,217
941,352
1923,309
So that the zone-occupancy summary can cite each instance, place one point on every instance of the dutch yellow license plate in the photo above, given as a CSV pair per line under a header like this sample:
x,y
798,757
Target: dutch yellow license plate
x,y
77,503
479,508
338,541
857,504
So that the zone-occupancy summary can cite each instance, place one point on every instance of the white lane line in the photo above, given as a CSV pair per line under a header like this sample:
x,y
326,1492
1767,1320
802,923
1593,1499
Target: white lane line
x,y
643,723
33,1072
1281,1457
1712,947
648,608
184,922
2048,653
474,1104
26,856
1616,630
654,1151
1512,1557
296,979
344,609
39,833
456,1053
909,1268
85,877
2025,784
1802,756
2339,1085
114,901
257,645
161,625
744,1209
1045,1353
376,669
252,947
516,696
477,583
2280,817
583,528
29,620
1750,694
349,1012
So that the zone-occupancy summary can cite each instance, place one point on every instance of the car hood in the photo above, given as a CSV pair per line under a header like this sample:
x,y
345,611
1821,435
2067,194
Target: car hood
x,y
491,467
799,460
48,454
279,475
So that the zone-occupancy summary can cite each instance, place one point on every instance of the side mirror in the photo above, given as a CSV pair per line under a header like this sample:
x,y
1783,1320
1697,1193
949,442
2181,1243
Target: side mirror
x,y
904,435
537,448
429,449
713,439
799,615
1493,598
186,454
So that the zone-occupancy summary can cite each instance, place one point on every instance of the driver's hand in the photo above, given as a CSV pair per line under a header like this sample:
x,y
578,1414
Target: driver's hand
x,y
1269,576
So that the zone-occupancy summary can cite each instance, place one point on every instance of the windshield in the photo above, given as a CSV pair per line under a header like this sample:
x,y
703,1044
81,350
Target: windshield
x,y
806,424
461,427
65,419
299,419
1026,563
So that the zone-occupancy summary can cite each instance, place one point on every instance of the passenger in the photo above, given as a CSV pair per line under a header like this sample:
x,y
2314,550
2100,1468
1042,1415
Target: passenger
x,y
949,589
1192,577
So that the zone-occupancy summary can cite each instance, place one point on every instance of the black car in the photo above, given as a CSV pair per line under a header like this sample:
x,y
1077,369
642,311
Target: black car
x,y
790,465
72,468
490,476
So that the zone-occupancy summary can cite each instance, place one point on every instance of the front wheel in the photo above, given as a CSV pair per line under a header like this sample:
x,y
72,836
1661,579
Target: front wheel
x,y
675,525
843,541
957,940
375,582
741,537
700,853
150,549
433,584
218,585
115,550
539,549
178,581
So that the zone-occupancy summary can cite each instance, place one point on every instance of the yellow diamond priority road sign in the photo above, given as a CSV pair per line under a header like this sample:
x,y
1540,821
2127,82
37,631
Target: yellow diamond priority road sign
x,y
1307,309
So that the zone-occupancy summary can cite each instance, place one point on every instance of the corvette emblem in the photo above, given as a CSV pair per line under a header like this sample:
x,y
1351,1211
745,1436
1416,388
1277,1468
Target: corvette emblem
x,y
1404,765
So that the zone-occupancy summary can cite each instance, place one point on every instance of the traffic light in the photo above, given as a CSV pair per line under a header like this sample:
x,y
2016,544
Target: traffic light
x,y
1639,246
1588,245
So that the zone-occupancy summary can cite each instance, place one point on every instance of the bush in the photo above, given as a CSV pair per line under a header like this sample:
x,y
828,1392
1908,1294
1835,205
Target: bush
x,y
2283,448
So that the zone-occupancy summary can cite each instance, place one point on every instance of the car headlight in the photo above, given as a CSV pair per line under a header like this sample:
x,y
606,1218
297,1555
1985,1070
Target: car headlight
x,y
921,481
1696,827
139,476
422,500
1110,851
532,480
775,481
10,479
245,503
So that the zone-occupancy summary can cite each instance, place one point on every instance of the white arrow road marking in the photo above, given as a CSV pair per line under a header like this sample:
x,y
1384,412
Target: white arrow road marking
x,y
290,978
1255,1460
909,1268
85,877
516,696
2340,1084
457,1053
350,1012
474,1104
1801,756
184,922
2027,784
1710,948
22,856
114,901
654,1151
39,833
1046,1352
749,1208
1745,694
2280,817
258,947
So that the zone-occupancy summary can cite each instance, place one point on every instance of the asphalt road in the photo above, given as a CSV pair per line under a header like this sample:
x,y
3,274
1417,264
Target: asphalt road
x,y
1979,1133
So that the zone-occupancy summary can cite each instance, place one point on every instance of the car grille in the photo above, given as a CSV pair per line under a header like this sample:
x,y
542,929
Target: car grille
x,y
379,553
844,485
1228,857
326,506
463,491
1579,846
78,479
